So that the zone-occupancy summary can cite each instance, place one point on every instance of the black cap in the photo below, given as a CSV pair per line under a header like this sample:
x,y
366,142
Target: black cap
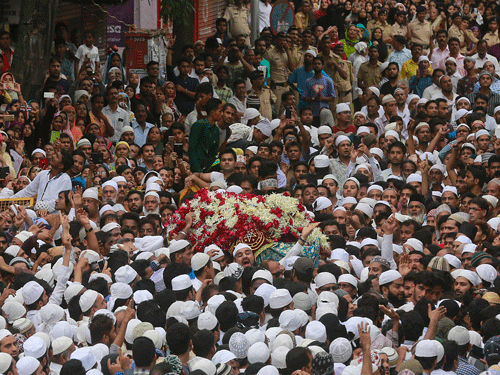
x,y
382,11
456,15
421,9
401,13
256,74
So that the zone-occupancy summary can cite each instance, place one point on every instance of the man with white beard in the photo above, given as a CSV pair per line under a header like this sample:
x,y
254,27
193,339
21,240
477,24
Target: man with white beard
x,y
416,208
151,203
109,191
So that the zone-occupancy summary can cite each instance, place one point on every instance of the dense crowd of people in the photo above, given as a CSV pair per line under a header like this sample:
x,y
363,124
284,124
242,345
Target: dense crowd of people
x,y
380,119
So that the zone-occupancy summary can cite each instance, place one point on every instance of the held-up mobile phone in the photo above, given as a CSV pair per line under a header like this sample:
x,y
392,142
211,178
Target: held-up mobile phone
x,y
477,352
4,171
9,118
96,157
171,141
288,112
8,86
48,95
356,141
178,149
43,163
449,127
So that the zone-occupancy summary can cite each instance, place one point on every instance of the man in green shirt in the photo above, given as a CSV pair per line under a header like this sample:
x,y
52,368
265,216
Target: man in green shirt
x,y
204,137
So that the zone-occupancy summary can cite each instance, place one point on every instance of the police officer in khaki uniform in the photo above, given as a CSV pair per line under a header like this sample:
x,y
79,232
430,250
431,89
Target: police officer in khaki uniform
x,y
387,30
266,96
458,31
299,51
281,63
237,17
420,30
343,77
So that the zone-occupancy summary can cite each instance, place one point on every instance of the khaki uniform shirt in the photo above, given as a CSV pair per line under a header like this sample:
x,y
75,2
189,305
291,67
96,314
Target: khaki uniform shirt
x,y
301,20
298,55
238,21
421,33
343,85
397,29
278,62
266,97
491,38
455,32
387,30
370,75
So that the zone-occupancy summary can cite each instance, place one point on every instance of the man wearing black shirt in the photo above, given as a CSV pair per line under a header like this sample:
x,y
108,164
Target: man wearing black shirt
x,y
391,85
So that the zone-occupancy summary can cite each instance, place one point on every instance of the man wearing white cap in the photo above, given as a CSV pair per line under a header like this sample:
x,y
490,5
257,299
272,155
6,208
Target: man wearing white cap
x,y
151,203
90,202
390,109
62,348
203,269
8,343
392,288
426,354
109,191
339,165
348,283
343,115
243,254
181,251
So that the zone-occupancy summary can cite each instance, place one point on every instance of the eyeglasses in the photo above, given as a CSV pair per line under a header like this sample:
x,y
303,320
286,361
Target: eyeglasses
x,y
3,242
474,209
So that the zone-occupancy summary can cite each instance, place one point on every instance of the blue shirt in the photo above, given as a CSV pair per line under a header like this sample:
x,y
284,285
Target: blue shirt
x,y
400,57
141,135
327,91
417,86
300,76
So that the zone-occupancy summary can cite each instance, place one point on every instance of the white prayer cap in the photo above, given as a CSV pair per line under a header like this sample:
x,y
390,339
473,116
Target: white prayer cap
x,y
145,255
85,356
460,335
61,344
215,301
422,101
423,58
388,277
324,278
178,246
339,254
207,320
414,178
111,183
119,179
27,365
154,336
348,278
88,299
374,90
341,138
452,189
453,260
234,189
263,274
181,282
494,223
4,333
364,208
72,291
129,332
310,52
61,329
189,310
440,167
13,250
14,311
279,298
363,129
91,255
223,356
289,320
5,362
392,133
460,113
369,241
35,347
265,290
360,47
106,207
321,161
473,277
316,331
239,247
463,239
255,335
40,151
265,127
426,349
110,226
142,295
321,203
417,245
258,353
199,260
125,274
91,193
342,107
481,132
162,251
253,149
487,272
491,199
32,291
239,345
324,129
377,151
216,250
340,350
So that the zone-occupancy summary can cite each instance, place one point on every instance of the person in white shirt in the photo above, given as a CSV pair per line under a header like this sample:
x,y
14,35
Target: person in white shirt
x,y
87,53
433,89
451,70
482,56
48,184
118,116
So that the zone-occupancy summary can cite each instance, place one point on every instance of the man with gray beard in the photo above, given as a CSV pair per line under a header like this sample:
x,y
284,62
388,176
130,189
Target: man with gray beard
x,y
416,208
151,203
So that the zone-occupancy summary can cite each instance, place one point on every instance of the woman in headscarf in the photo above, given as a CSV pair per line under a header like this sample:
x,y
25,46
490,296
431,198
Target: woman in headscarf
x,y
75,131
124,103
377,39
64,100
170,94
351,38
115,61
14,90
